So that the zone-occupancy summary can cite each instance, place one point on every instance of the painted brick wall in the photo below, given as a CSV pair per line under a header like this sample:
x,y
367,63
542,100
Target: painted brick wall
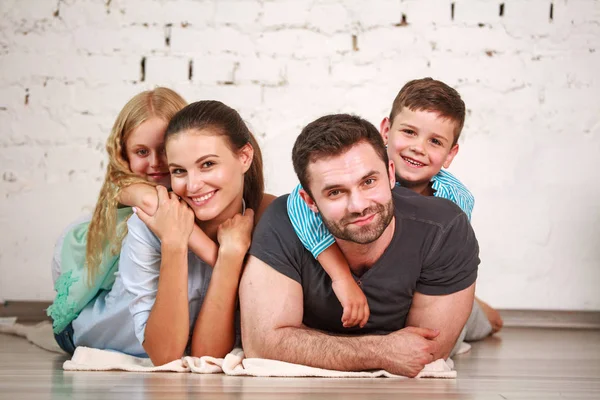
x,y
528,71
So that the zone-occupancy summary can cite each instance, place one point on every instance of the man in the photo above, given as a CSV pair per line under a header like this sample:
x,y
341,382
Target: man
x,y
414,257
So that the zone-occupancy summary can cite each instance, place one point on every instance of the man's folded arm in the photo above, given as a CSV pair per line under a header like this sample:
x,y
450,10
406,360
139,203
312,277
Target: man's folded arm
x,y
271,315
446,313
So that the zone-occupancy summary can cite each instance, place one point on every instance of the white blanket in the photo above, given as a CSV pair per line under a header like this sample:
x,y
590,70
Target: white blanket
x,y
234,363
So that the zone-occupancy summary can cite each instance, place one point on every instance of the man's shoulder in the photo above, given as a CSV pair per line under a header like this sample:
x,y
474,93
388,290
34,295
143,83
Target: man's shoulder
x,y
276,217
426,209
277,208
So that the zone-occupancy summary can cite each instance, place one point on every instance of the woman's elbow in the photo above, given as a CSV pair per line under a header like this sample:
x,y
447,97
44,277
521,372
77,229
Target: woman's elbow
x,y
164,354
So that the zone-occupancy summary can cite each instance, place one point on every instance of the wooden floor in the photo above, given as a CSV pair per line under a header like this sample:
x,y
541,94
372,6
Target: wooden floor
x,y
519,363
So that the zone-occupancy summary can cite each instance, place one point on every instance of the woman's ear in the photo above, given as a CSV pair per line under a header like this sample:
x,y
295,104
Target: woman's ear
x,y
246,155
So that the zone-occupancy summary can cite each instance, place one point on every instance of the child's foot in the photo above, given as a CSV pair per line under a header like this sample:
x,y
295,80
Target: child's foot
x,y
352,298
492,315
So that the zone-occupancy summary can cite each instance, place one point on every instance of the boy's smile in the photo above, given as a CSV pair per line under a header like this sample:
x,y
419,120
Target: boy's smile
x,y
420,143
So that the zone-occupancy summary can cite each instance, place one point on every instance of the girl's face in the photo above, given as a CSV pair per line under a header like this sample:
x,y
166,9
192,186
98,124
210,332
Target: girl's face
x,y
145,149
207,174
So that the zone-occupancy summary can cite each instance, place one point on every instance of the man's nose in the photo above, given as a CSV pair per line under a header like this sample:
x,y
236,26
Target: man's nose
x,y
357,202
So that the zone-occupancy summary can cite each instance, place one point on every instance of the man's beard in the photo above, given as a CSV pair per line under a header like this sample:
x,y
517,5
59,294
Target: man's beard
x,y
384,213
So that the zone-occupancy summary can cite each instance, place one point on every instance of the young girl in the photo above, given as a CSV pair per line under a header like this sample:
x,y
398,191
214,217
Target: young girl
x,y
216,169
86,255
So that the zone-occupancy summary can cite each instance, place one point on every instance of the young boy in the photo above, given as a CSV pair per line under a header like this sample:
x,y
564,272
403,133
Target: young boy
x,y
421,136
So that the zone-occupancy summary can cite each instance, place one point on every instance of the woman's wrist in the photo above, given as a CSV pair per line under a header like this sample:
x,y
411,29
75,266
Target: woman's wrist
x,y
233,250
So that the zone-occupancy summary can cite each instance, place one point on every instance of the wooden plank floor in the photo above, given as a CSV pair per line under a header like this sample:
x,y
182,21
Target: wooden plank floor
x,y
519,363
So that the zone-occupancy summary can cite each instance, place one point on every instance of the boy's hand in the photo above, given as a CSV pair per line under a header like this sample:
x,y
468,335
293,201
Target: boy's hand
x,y
352,298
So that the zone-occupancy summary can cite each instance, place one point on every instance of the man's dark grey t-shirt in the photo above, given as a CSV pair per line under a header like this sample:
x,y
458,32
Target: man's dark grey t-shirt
x,y
433,251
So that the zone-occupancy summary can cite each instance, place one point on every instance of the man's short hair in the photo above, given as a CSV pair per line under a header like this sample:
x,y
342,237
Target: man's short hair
x,y
427,94
333,135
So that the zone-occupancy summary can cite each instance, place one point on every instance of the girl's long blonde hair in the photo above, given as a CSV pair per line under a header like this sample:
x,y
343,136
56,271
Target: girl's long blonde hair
x,y
103,234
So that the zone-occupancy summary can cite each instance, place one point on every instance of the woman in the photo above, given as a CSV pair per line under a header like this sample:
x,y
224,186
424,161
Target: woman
x,y
176,300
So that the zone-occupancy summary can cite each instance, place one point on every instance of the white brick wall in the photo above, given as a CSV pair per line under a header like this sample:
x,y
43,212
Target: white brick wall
x,y
528,152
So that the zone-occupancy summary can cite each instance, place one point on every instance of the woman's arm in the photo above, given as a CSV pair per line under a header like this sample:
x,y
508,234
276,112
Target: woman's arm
x,y
214,332
168,326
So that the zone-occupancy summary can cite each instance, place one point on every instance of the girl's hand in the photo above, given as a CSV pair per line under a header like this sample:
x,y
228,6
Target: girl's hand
x,y
235,234
173,220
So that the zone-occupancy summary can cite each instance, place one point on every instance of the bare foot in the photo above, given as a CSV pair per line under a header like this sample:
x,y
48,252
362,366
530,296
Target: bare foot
x,y
492,315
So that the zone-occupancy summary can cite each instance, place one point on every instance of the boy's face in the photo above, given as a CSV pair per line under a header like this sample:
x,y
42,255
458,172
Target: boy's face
x,y
420,143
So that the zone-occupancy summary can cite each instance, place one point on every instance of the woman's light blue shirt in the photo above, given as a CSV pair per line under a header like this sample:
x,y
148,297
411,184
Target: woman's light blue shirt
x,y
116,319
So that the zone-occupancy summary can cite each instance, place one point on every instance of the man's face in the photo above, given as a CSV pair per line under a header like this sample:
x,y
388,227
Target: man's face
x,y
352,192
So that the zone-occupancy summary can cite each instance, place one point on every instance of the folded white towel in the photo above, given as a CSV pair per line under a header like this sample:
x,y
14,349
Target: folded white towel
x,y
234,363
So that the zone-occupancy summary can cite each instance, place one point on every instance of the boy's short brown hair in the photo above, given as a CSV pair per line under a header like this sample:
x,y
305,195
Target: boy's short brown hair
x,y
428,94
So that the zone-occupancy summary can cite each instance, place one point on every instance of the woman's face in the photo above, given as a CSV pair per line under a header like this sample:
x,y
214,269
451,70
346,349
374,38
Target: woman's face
x,y
146,152
207,174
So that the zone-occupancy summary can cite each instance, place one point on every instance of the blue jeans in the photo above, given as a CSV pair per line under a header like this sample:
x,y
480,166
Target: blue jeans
x,y
65,339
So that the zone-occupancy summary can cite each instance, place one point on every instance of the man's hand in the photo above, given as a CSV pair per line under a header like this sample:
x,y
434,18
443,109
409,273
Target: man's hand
x,y
408,350
172,222
354,301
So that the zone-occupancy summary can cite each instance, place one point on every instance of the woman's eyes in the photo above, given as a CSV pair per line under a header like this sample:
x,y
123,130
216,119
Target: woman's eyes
x,y
204,165
142,152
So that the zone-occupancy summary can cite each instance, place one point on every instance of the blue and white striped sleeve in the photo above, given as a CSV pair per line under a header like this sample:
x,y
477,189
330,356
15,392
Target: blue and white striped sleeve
x,y
308,225
447,186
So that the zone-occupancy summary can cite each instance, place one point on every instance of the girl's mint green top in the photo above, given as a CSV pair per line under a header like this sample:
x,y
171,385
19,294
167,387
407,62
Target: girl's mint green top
x,y
72,290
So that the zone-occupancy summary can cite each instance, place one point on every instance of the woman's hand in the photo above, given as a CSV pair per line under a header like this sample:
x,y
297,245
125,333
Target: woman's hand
x,y
173,220
235,234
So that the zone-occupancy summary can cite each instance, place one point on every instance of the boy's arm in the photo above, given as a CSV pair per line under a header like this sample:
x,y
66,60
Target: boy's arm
x,y
352,298
317,239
